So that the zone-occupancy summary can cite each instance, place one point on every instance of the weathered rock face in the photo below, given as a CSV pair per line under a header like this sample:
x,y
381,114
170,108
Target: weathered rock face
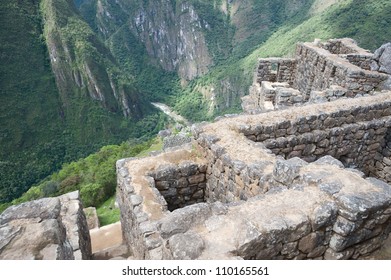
x,y
172,32
382,59
92,217
45,229
90,69
173,36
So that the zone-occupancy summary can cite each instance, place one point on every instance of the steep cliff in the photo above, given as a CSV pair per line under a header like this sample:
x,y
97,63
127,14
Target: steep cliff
x,y
179,36
62,94
82,64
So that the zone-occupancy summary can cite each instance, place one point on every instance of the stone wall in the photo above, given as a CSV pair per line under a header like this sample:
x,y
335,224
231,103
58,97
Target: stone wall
x,y
308,182
148,189
317,69
260,205
292,224
276,70
230,179
45,229
177,140
320,72
356,136
363,61
343,46
350,233
381,168
181,185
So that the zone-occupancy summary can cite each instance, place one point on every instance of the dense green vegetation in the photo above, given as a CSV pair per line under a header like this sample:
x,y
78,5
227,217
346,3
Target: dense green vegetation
x,y
108,213
30,146
45,122
219,34
94,176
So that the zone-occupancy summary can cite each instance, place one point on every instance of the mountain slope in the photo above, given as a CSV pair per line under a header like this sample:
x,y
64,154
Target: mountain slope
x,y
173,33
62,93
82,64
365,21
190,38
28,96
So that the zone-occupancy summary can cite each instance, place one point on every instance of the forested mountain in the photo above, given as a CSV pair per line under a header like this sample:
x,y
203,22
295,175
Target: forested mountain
x,y
79,74
62,93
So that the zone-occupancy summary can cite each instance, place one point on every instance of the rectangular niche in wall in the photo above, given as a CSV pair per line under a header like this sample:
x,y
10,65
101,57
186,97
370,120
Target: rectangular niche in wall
x,y
181,185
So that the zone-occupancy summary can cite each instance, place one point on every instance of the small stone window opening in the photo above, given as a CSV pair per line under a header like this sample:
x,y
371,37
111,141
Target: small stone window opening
x,y
274,67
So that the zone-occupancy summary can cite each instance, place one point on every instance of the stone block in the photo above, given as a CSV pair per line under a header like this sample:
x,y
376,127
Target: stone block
x,y
188,168
180,220
162,185
330,254
345,227
309,150
196,179
238,166
49,228
269,253
387,161
339,243
165,173
136,200
324,215
217,150
185,191
290,250
186,246
42,209
331,187
329,160
317,252
310,242
285,171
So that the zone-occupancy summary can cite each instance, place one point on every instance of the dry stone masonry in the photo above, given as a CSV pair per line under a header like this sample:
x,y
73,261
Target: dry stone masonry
x,y
260,203
310,182
319,72
45,229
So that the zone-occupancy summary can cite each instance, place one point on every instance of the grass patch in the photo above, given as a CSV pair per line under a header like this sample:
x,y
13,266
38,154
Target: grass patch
x,y
157,145
108,213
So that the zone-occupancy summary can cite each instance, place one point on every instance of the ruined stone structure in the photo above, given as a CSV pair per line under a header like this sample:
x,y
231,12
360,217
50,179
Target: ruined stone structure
x,y
305,183
319,72
310,181
45,229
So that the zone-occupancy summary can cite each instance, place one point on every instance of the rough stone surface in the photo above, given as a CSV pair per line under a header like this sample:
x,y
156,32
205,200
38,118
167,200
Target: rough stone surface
x,y
382,59
46,229
175,141
183,219
285,171
186,246
92,217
